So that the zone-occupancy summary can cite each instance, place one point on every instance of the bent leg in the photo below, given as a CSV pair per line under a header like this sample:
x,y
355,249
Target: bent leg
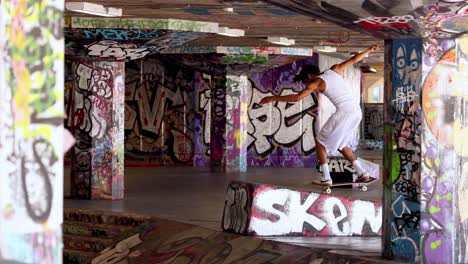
x,y
348,154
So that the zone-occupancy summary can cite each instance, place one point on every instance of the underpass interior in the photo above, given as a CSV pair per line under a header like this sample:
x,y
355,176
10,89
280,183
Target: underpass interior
x,y
193,124
169,156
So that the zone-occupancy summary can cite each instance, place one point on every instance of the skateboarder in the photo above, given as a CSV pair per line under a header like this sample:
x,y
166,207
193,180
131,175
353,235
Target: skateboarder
x,y
337,131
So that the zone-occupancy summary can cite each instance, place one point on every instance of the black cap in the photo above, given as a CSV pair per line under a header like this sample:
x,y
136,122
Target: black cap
x,y
305,71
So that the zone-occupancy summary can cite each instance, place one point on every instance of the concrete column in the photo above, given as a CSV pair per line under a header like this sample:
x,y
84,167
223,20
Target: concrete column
x,y
218,123
236,122
444,179
461,148
402,151
98,125
31,131
202,120
426,154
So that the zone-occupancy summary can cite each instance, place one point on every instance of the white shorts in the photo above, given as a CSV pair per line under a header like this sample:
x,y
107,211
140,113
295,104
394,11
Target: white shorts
x,y
339,129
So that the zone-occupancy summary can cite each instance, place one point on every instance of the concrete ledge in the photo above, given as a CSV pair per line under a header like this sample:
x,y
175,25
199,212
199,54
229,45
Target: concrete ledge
x,y
267,210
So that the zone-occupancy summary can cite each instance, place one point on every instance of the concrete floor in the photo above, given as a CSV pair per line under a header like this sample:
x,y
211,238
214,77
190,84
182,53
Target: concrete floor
x,y
196,196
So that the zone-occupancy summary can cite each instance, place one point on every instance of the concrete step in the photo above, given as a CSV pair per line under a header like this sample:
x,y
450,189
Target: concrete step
x,y
86,243
99,217
76,228
266,210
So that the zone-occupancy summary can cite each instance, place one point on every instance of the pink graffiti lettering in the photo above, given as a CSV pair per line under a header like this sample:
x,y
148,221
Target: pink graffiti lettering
x,y
288,212
382,22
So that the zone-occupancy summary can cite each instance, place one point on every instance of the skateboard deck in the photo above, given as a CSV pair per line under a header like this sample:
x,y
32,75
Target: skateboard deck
x,y
362,185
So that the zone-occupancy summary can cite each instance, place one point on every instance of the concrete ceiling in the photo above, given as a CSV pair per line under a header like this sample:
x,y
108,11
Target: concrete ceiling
x,y
257,18
388,19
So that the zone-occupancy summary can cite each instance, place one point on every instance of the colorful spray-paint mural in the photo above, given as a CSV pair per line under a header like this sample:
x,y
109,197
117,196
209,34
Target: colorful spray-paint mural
x,y
172,119
402,190
444,150
31,131
282,134
130,38
97,120
159,113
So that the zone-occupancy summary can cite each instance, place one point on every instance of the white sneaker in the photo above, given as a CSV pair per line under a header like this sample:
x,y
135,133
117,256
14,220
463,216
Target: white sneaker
x,y
365,177
327,182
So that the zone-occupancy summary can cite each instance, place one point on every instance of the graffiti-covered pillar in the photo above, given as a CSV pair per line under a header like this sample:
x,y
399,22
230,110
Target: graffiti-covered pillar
x,y
444,177
31,131
402,151
202,120
98,125
236,122
218,123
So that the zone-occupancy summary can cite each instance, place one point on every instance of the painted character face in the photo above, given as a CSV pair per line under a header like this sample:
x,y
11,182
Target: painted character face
x,y
407,65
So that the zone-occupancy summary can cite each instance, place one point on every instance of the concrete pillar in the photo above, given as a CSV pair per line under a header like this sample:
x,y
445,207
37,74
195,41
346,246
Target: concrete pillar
x,y
202,120
218,124
31,131
98,125
444,179
236,122
426,176
402,151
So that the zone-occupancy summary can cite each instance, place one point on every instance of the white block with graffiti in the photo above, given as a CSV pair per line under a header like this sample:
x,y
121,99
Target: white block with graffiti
x,y
265,210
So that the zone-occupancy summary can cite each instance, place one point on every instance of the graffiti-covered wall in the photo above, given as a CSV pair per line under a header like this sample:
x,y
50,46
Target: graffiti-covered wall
x,y
282,134
402,176
31,131
159,116
444,223
167,113
372,126
175,115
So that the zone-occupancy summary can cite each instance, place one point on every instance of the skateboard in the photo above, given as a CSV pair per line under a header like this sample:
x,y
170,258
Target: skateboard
x,y
362,185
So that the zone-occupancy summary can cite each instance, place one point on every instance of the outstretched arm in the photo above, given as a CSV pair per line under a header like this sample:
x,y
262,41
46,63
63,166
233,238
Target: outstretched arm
x,y
317,85
339,68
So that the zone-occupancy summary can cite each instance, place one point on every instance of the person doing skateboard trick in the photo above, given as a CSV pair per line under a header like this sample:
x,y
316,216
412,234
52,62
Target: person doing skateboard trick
x,y
340,127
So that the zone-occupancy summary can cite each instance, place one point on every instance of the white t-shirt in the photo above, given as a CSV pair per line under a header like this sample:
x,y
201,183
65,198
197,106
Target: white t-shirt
x,y
338,91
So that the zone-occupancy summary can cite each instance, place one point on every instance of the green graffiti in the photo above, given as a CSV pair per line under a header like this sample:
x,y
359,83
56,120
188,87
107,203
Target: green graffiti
x,y
232,84
434,209
245,59
396,164
36,82
142,23
436,244
187,25
449,196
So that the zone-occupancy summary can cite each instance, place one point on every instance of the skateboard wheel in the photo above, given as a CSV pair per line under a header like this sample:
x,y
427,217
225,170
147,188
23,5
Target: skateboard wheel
x,y
364,188
327,190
